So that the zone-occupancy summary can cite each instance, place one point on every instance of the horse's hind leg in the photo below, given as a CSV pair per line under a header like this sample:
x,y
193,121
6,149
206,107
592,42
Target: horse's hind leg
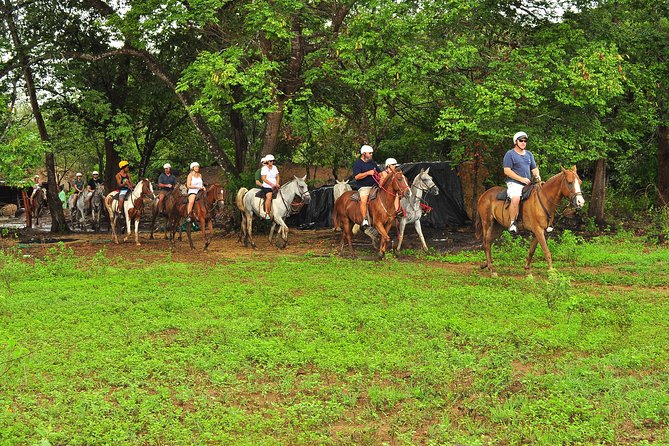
x,y
271,232
249,229
419,230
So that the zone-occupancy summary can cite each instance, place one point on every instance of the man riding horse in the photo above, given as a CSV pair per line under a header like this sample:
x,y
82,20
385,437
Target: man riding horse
x,y
519,165
90,188
364,169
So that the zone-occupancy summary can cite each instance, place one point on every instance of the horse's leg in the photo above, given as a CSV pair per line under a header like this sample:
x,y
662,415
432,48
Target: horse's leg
x,y
283,229
271,231
400,234
210,226
128,232
137,230
242,230
419,230
346,235
249,229
384,239
153,222
540,237
203,225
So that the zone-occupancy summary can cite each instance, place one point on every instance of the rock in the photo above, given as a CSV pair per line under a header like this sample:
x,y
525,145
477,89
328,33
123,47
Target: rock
x,y
8,210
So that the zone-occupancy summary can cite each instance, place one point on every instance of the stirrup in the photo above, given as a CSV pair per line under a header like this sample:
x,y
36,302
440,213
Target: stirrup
x,y
549,229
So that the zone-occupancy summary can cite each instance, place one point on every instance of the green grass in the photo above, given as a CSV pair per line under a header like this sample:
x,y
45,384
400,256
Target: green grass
x,y
338,351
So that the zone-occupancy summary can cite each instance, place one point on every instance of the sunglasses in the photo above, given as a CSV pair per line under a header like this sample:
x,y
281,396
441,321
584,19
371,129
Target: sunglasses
x,y
522,140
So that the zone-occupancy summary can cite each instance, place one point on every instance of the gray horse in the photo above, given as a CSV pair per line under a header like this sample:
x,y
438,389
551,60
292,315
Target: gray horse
x,y
423,183
78,210
249,204
340,188
413,212
97,204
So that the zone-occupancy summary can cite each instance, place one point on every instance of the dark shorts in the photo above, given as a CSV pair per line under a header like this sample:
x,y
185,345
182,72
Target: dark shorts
x,y
265,190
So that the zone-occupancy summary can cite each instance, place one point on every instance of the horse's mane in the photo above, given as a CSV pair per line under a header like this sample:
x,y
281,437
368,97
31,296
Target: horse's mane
x,y
383,183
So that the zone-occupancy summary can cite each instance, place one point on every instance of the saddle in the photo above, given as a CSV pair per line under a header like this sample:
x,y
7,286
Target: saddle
x,y
527,191
199,195
355,196
260,194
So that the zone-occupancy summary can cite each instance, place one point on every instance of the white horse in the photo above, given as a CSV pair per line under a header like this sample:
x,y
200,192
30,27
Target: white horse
x,y
249,204
133,207
340,188
423,183
78,210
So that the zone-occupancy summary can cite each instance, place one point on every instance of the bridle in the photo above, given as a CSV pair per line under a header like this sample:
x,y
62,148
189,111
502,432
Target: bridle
x,y
572,195
298,192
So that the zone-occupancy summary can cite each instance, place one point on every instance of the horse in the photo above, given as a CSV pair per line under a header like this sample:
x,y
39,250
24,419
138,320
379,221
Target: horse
x,y
96,205
535,215
38,205
133,208
78,210
339,188
203,210
381,209
413,211
249,204
182,190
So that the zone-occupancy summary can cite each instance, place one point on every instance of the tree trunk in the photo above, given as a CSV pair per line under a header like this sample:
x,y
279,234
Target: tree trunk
x,y
239,138
272,129
58,223
596,209
663,165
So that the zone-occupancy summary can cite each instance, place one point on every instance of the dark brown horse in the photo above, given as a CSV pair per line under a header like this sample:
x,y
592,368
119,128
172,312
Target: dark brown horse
x,y
174,196
381,210
536,213
203,211
38,206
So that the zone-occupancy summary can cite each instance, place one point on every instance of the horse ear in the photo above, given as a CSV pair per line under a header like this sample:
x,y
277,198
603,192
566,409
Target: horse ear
x,y
563,169
303,178
573,168
422,171
428,170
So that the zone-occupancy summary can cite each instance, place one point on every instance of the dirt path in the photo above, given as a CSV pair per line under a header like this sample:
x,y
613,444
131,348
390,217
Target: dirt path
x,y
322,242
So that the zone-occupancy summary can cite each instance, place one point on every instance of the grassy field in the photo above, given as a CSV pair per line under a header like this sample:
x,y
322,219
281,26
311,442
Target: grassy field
x,y
324,350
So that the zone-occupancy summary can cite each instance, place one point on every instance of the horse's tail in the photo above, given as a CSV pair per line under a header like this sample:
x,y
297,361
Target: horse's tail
x,y
478,226
240,198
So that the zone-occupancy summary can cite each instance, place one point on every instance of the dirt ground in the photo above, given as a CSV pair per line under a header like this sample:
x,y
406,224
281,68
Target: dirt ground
x,y
225,244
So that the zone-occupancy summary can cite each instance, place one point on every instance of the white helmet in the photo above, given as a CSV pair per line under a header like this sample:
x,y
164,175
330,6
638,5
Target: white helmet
x,y
263,160
519,135
36,176
194,164
95,172
78,174
366,149
167,166
269,157
391,162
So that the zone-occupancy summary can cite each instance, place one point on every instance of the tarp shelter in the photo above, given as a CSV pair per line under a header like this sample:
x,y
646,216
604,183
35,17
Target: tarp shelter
x,y
447,208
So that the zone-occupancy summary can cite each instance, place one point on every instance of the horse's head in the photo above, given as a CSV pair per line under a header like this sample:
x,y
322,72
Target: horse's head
x,y
424,182
215,193
397,184
147,189
100,189
302,189
571,187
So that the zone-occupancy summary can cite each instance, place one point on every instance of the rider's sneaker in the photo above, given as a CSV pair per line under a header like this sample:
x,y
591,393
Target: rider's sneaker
x,y
267,217
188,219
365,222
549,229
513,228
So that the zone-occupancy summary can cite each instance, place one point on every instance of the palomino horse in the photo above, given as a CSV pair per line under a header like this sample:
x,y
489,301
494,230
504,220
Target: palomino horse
x,y
203,211
249,204
133,208
536,213
413,211
381,210
96,205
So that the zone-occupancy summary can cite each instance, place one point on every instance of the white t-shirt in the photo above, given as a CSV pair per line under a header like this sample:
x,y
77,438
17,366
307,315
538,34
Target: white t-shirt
x,y
270,174
196,182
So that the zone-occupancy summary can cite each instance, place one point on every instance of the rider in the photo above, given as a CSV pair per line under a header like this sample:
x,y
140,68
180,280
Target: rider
x,y
390,167
124,183
271,180
194,184
78,188
519,164
91,186
258,176
36,187
166,182
364,170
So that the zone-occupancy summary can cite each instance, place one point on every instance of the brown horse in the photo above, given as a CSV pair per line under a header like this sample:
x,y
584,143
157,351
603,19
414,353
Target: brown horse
x,y
203,211
381,209
536,213
175,195
38,206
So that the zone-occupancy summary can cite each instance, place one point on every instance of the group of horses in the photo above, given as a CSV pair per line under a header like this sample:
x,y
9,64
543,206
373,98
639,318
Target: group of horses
x,y
536,213
492,218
